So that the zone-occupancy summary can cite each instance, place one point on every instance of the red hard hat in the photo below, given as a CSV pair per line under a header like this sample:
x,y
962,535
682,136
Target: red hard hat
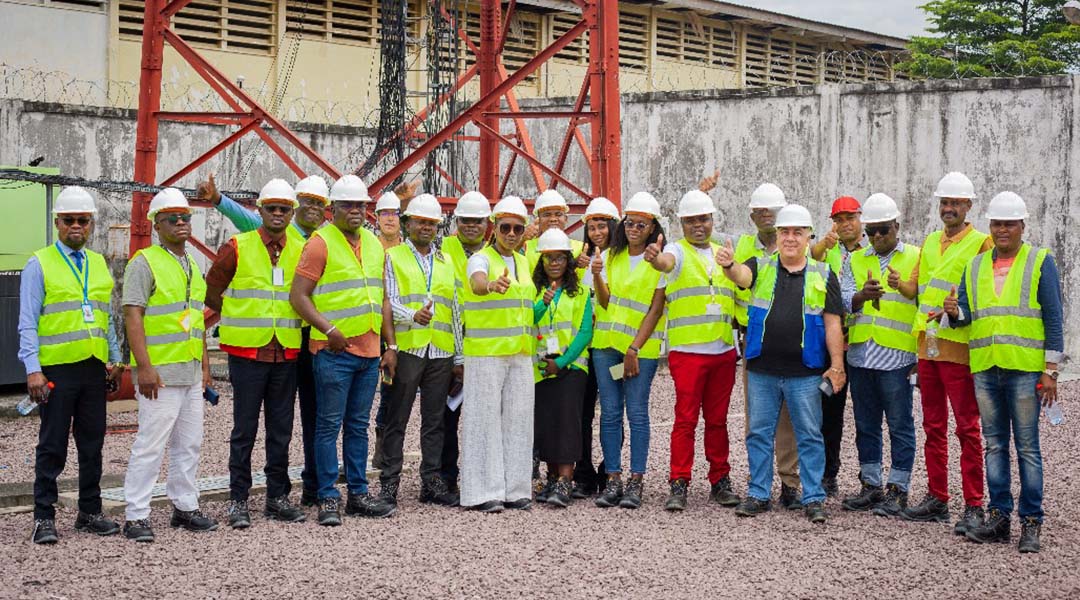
x,y
845,204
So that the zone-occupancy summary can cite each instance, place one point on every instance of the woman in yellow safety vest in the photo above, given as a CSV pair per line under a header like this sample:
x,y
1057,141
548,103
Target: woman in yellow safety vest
x,y
627,343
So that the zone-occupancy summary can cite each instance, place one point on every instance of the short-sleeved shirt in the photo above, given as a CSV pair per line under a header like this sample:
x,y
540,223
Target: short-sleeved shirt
x,y
478,263
781,353
138,287
311,266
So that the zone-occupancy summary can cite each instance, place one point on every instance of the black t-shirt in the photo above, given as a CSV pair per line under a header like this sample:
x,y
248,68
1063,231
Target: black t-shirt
x,y
781,347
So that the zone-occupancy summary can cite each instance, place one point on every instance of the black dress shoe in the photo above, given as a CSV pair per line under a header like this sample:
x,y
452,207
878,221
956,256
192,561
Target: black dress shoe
x,y
752,507
97,524
280,509
519,504
139,530
995,530
815,512
1030,528
491,506
930,509
722,494
192,520
45,531
789,497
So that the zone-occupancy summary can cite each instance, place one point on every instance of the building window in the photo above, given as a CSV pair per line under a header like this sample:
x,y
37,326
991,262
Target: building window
x,y
577,51
633,40
96,5
223,24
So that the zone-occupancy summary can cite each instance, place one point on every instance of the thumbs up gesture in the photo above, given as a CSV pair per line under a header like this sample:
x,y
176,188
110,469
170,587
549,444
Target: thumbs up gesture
x,y
952,305
549,294
707,184
894,277
872,289
725,255
654,249
597,265
582,261
831,238
424,315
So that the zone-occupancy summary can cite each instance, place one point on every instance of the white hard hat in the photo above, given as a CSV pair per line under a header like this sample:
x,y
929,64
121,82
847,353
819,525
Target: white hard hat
x,y
643,203
553,240
349,188
694,203
879,208
510,205
794,215
277,189
601,208
473,205
74,199
167,199
313,185
425,206
549,199
388,201
955,185
1007,206
768,195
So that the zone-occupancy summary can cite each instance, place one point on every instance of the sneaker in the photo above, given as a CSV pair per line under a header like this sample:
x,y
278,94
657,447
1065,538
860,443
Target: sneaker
x,y
280,509
832,490
139,530
192,520
612,494
329,512
388,491
895,500
491,506
815,512
996,529
677,500
96,523
789,497
722,494
541,490
519,504
930,509
868,497
752,507
559,495
434,491
1030,527
972,518
44,532
239,517
632,494
309,498
366,505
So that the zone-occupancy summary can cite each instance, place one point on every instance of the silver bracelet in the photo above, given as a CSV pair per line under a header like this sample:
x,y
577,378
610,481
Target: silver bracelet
x,y
327,332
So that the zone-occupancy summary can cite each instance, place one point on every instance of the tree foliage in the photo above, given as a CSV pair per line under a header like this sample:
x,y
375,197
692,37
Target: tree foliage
x,y
994,38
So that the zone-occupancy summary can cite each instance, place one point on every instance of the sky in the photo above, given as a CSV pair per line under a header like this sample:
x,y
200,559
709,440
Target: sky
x,y
891,17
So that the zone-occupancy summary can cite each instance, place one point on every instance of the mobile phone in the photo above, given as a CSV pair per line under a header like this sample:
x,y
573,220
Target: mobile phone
x,y
210,395
826,387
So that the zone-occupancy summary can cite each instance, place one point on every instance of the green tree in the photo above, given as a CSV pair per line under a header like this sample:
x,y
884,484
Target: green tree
x,y
994,38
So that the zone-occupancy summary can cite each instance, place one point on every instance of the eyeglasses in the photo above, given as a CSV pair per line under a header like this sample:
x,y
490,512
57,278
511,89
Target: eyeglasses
x,y
470,220
555,259
883,230
82,221
389,212
506,228
278,209
636,224
175,218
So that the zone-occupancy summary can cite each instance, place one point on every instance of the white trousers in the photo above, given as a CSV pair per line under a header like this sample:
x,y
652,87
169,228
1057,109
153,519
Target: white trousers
x,y
176,419
497,429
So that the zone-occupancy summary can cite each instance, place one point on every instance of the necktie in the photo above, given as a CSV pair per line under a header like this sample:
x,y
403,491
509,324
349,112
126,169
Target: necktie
x,y
78,258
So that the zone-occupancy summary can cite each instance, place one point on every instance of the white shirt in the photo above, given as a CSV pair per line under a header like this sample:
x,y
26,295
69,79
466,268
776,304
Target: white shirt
x,y
634,262
706,255
479,263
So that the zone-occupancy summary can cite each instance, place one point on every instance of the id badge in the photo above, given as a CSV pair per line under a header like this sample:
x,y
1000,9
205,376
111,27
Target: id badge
x,y
185,320
552,345
279,276
712,310
87,312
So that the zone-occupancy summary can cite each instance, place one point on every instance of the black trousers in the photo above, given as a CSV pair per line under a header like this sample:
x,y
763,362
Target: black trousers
x,y
269,388
305,385
433,377
584,473
832,428
449,456
77,405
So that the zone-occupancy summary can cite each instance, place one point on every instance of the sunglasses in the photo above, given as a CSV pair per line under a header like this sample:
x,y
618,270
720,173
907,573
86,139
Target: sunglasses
x,y
872,230
507,228
82,221
278,209
470,220
636,224
175,218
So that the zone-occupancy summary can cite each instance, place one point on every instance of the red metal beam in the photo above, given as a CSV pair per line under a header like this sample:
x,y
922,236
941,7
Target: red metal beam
x,y
572,130
540,115
211,153
146,131
174,7
487,58
604,97
523,154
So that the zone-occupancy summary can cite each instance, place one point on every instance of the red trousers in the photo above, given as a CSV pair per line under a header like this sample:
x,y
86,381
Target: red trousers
x,y
703,384
939,380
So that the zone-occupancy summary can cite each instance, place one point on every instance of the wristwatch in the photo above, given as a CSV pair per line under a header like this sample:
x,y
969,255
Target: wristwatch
x,y
1052,373
392,347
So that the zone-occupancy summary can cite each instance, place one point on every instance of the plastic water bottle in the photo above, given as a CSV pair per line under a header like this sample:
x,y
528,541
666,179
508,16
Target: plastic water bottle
x,y
26,406
1054,414
931,340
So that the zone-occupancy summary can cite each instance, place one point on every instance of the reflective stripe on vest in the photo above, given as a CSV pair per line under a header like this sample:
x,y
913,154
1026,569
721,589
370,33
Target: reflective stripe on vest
x,y
501,324
1007,331
253,309
350,292
939,273
569,312
893,325
64,337
412,288
173,320
815,280
690,295
631,294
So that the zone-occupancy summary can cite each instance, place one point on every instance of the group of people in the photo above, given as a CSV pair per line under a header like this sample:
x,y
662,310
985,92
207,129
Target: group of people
x,y
516,330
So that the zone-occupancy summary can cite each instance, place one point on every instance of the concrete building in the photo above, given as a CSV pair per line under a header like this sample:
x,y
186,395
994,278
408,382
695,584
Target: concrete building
x,y
317,59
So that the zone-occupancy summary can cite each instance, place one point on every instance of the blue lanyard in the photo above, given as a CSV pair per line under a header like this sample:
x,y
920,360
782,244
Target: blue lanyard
x,y
416,256
84,279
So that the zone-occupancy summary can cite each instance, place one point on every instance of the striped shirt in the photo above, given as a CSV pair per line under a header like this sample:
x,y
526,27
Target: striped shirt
x,y
868,354
404,314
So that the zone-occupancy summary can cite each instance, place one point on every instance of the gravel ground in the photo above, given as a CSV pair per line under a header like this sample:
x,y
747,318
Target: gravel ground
x,y
581,552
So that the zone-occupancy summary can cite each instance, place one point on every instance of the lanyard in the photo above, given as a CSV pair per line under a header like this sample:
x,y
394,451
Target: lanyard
x,y
416,255
181,261
551,310
84,279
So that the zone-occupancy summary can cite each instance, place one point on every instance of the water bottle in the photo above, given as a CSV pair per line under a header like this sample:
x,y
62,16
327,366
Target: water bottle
x,y
26,406
1054,413
931,340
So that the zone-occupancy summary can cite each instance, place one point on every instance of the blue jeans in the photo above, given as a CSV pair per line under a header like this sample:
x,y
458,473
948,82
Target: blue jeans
x,y
1008,401
345,387
629,394
874,394
803,399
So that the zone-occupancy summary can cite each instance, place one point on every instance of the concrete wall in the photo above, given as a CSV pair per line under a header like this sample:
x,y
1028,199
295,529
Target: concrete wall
x,y
816,143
